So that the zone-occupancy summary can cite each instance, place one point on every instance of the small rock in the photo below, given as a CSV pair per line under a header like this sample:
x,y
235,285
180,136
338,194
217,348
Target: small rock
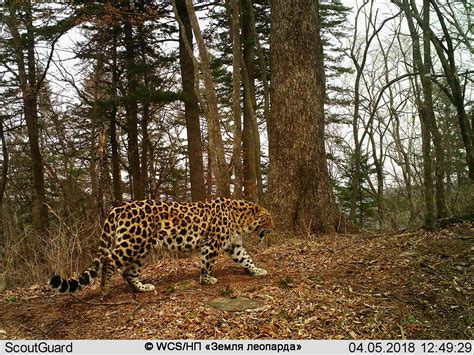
x,y
237,304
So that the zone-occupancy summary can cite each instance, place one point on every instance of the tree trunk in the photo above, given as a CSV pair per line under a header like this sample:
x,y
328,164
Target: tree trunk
x,y
191,108
248,134
93,148
132,113
3,184
377,160
233,10
426,113
216,146
404,158
103,192
115,160
145,144
300,193
266,115
30,104
428,94
258,162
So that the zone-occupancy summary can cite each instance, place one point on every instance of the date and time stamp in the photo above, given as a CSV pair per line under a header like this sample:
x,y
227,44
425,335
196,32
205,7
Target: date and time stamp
x,y
411,347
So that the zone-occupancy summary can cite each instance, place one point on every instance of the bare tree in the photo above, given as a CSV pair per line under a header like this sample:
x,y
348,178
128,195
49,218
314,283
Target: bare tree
x,y
216,146
445,50
359,53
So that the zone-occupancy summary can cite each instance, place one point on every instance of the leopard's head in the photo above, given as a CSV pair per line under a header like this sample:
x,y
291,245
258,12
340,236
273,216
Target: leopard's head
x,y
262,222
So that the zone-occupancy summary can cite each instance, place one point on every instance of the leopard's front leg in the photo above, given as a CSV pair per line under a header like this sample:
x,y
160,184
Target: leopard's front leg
x,y
238,253
209,254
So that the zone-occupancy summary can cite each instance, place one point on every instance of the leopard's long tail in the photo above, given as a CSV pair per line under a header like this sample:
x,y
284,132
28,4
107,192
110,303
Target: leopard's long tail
x,y
74,284
71,285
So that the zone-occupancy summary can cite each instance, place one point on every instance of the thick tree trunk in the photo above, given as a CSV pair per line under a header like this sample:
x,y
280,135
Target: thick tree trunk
x,y
191,108
300,193
131,108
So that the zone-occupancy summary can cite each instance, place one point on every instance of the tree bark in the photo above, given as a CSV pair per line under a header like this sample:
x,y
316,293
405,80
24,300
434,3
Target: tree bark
x,y
300,193
191,107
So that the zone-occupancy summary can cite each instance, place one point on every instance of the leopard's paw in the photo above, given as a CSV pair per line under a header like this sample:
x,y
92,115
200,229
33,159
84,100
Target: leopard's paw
x,y
258,272
208,280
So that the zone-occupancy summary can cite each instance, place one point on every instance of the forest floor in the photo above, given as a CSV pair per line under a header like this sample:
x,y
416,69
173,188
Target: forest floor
x,y
378,286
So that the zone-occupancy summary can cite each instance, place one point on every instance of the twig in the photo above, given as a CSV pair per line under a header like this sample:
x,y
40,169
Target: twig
x,y
51,329
137,307
402,332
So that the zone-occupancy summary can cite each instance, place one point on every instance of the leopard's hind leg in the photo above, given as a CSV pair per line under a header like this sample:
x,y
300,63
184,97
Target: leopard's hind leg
x,y
130,275
109,265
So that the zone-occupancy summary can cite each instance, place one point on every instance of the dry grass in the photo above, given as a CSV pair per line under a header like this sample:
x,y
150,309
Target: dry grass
x,y
30,258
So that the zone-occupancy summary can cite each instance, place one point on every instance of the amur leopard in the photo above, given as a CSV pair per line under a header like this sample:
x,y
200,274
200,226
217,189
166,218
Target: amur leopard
x,y
132,229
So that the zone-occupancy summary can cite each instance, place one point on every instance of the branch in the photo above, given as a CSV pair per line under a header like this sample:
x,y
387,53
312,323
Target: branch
x,y
50,57
379,96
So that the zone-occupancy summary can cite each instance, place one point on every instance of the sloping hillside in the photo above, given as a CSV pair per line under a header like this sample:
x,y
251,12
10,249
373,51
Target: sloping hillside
x,y
413,285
